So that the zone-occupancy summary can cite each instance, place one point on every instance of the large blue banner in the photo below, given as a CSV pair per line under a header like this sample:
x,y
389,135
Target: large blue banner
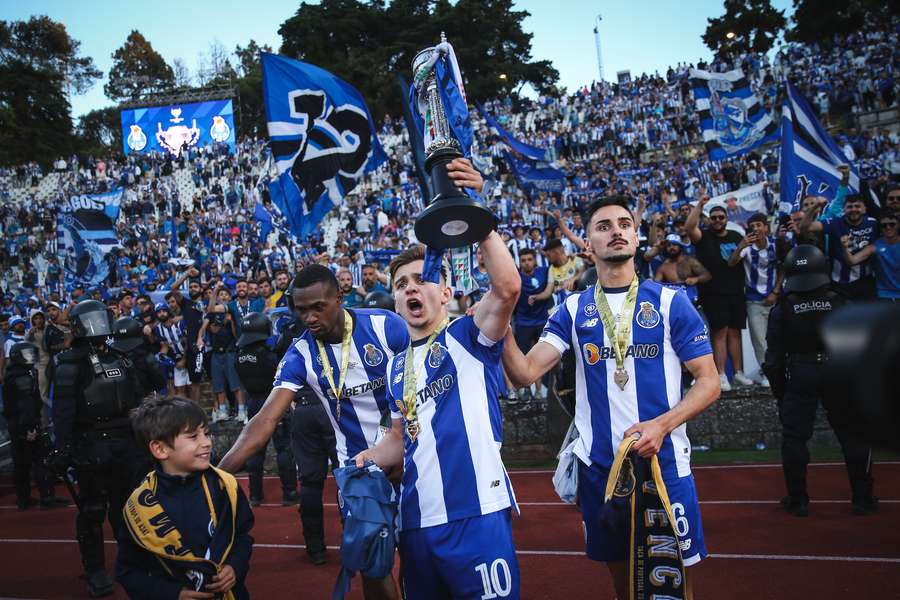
x,y
86,235
535,176
322,138
532,152
175,127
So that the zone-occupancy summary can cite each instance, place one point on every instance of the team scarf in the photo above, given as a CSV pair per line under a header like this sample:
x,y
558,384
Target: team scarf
x,y
153,530
636,487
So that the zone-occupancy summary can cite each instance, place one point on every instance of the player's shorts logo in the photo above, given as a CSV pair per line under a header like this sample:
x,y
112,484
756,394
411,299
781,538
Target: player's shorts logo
x,y
591,353
647,317
373,356
626,482
590,309
436,355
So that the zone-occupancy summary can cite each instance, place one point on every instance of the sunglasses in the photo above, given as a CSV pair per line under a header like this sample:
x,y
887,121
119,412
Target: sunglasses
x,y
717,217
889,224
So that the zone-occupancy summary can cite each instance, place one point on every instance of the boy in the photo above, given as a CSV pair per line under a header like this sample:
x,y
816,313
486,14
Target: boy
x,y
188,524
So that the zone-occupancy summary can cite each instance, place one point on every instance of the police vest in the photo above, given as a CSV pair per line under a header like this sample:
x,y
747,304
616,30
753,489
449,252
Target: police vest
x,y
256,366
110,395
802,320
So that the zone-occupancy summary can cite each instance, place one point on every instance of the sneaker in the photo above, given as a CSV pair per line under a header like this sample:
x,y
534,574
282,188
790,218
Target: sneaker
x,y
764,381
865,506
290,498
216,415
242,414
254,502
723,383
318,558
223,413
798,507
742,379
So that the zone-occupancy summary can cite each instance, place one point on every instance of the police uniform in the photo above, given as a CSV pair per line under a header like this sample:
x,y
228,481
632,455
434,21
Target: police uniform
x,y
93,392
314,446
796,364
256,364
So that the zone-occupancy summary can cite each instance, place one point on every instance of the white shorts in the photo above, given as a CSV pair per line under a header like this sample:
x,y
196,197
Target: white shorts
x,y
181,377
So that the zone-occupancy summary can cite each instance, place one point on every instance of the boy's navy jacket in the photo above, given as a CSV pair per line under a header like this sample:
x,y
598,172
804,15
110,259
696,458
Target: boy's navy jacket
x,y
369,509
141,573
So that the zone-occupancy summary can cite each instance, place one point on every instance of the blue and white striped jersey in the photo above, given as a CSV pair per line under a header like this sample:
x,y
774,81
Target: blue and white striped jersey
x,y
666,331
377,336
759,268
173,335
453,469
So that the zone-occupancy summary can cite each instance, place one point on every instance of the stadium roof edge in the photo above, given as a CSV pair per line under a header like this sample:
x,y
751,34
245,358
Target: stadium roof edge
x,y
218,92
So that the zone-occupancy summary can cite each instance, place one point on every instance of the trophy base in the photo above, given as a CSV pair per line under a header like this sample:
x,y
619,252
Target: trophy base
x,y
452,219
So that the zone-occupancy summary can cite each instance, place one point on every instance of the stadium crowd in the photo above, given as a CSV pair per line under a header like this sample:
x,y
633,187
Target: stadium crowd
x,y
639,137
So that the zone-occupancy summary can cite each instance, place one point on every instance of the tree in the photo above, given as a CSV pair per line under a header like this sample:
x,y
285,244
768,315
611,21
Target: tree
x,y
368,44
99,130
820,20
137,69
249,86
746,26
182,74
40,66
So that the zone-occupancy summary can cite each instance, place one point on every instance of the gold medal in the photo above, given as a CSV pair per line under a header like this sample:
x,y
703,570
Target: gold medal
x,y
345,362
618,336
412,429
411,386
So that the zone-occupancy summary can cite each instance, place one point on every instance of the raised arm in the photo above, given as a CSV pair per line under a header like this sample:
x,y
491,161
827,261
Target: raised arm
x,y
692,223
564,227
810,223
860,257
495,309
524,370
258,430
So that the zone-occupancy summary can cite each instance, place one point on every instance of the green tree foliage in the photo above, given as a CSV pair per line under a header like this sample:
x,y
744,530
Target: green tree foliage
x,y
249,86
137,69
819,20
100,131
369,43
754,23
39,66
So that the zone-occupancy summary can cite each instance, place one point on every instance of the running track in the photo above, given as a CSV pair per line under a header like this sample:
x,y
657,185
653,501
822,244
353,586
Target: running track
x,y
758,552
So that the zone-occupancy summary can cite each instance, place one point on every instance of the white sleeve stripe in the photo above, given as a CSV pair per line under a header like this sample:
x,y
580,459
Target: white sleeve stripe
x,y
485,340
289,386
555,341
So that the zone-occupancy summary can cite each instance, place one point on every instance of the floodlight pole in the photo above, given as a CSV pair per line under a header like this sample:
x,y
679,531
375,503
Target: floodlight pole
x,y
597,42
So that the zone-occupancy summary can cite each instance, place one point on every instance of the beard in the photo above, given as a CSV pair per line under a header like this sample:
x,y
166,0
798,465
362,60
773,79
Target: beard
x,y
618,258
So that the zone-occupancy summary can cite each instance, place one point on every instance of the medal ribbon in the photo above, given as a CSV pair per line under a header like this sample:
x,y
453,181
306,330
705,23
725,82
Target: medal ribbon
x,y
618,339
345,362
410,384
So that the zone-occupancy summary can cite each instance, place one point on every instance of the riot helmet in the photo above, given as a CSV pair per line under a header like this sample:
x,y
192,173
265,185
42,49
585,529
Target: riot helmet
x,y
255,327
379,299
128,334
90,319
23,353
587,279
805,269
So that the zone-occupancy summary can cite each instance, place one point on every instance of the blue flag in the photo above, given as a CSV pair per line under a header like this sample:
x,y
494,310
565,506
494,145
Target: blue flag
x,y
322,138
532,152
86,234
534,176
265,221
809,156
732,118
415,141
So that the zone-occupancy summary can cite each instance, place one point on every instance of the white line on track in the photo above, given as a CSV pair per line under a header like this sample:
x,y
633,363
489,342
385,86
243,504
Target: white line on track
x,y
803,557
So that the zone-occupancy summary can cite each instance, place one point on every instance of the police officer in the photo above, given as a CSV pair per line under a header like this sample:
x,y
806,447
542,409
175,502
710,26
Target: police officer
x,y
22,406
313,444
93,391
379,299
795,364
256,365
130,343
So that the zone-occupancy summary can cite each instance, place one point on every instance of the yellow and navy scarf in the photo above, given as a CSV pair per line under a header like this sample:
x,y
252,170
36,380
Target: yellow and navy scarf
x,y
153,530
636,485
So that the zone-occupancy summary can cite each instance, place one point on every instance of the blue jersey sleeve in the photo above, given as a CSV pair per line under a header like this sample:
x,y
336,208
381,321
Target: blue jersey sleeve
x,y
396,332
291,373
558,330
687,331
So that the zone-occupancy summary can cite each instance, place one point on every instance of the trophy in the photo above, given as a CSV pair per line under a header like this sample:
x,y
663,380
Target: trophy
x,y
452,218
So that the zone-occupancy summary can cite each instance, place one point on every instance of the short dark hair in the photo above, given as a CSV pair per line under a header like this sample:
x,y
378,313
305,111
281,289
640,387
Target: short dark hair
x,y
162,419
313,274
596,205
525,251
758,218
412,254
858,198
718,207
553,244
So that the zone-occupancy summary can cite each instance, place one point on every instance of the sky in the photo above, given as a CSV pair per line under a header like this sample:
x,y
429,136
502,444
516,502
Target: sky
x,y
639,35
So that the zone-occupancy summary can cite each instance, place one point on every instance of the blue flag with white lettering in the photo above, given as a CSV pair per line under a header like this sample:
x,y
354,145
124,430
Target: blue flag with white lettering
x,y
86,234
809,155
322,138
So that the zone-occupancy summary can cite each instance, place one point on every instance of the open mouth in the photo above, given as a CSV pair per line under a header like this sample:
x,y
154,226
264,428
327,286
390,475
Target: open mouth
x,y
203,456
414,307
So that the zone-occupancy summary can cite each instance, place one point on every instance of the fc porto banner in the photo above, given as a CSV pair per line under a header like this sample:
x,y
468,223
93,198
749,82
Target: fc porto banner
x,y
173,128
732,118
809,155
532,152
86,234
322,139
534,176
741,204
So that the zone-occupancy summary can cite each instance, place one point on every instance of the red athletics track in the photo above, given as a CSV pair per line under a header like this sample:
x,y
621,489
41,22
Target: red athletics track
x,y
758,552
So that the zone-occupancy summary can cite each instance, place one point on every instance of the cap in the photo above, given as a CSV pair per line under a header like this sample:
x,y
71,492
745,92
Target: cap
x,y
673,238
16,321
